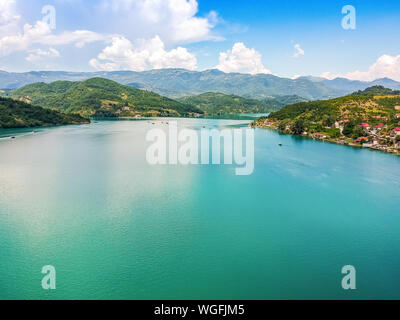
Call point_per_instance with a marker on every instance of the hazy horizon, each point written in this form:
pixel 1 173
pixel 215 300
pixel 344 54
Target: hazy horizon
pixel 193 71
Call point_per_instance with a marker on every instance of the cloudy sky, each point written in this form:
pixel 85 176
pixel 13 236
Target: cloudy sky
pixel 287 38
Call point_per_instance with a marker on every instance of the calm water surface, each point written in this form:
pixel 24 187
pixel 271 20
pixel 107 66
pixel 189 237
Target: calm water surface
pixel 84 199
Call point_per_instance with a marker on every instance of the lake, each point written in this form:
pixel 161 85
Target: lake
pixel 84 200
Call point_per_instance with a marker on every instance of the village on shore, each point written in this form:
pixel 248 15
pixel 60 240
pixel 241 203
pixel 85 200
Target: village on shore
pixel 380 137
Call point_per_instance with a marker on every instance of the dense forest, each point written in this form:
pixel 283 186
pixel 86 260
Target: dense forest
pixel 220 104
pixel 101 97
pixel 17 114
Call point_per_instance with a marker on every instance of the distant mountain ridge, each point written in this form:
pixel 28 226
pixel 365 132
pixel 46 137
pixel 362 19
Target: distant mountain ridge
pixel 344 84
pixel 177 83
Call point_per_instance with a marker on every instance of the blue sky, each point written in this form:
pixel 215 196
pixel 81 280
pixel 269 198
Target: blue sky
pixel 253 36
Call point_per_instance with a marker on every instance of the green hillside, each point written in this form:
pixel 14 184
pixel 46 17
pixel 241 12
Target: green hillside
pixel 287 100
pixel 17 114
pixel 346 116
pixel 220 104
pixel 377 91
pixel 101 97
pixel 371 105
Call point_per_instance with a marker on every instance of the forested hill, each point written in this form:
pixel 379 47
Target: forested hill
pixel 371 105
pixel 219 104
pixel 101 97
pixel 17 114
pixel 361 114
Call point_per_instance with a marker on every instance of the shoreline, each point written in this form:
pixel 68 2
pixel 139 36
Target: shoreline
pixel 329 140
pixel 48 126
pixel 16 130
pixel 234 116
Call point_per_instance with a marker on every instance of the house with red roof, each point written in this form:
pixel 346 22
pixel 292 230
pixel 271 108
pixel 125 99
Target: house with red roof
pixel 362 139
pixel 395 132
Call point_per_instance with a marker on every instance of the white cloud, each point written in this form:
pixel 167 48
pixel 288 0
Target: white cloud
pixel 22 41
pixel 385 67
pixel 41 33
pixel 39 55
pixel 175 21
pixel 146 55
pixel 9 17
pixel 242 60
pixel 299 51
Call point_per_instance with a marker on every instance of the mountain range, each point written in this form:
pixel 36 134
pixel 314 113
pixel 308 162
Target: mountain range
pixel 349 86
pixel 177 83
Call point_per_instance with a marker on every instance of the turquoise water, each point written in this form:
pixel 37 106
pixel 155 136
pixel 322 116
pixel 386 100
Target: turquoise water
pixel 84 199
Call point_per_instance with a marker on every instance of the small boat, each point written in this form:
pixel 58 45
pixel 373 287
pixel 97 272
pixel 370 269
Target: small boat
pixel 12 137
pixel 281 145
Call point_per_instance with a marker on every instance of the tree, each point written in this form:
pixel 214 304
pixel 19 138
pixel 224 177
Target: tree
pixel 283 124
pixel 357 132
pixel 329 122
pixel 334 133
pixel 348 129
pixel 298 127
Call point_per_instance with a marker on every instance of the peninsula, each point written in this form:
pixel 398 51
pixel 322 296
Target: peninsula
pixel 368 119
